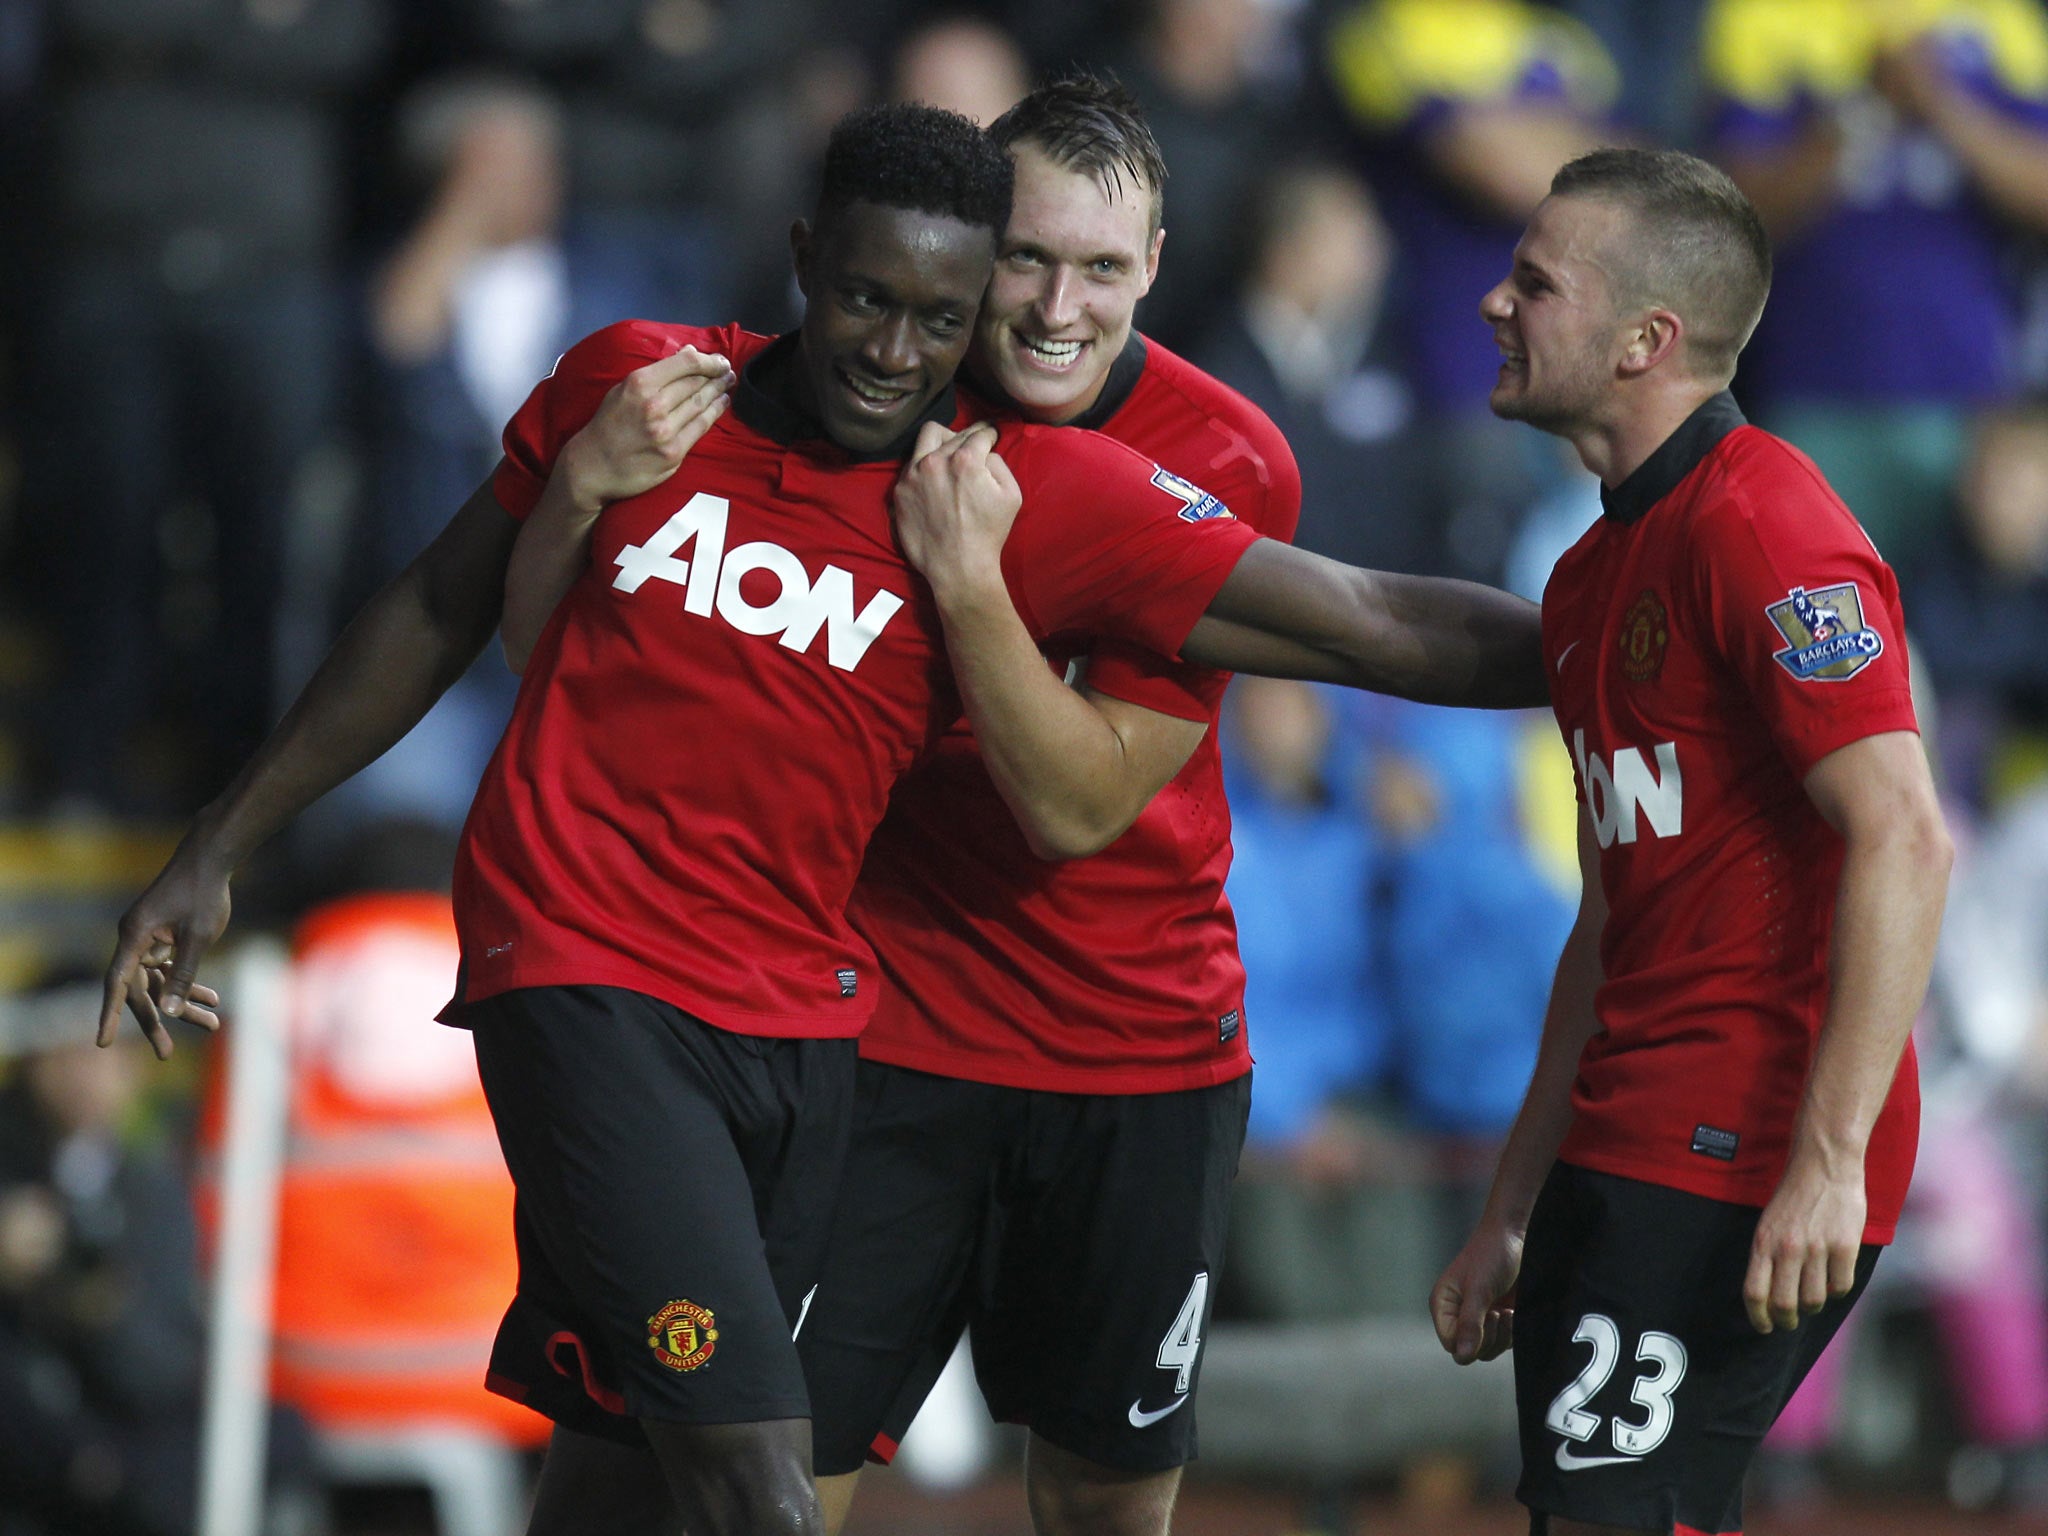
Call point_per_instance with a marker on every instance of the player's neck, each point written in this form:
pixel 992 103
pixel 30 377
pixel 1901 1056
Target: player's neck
pixel 1615 449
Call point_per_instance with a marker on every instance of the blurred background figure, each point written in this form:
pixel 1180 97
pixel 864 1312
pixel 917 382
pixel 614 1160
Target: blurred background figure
pixel 1373 840
pixel 1303 338
pixel 491 281
pixel 677 130
pixel 382 1345
pixel 1194 66
pixel 188 353
pixel 1325 1209
pixel 478 298
pixel 100 1338
pixel 1980 609
pixel 1898 155
pixel 99 1306
pixel 1970 1255
pixel 963 63
pixel 1463 878
pixel 1460 113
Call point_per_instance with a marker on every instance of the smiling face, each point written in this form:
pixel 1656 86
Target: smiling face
pixel 890 300
pixel 1077 257
pixel 1556 319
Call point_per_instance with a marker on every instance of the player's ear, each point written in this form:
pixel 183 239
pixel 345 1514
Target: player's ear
pixel 802 241
pixel 1656 337
pixel 1152 261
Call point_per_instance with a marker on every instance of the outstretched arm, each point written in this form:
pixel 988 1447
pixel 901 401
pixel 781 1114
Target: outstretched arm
pixel 397 657
pixel 1287 613
pixel 1472 1304
pixel 1878 794
pixel 1074 768
pixel 1283 612
pixel 643 428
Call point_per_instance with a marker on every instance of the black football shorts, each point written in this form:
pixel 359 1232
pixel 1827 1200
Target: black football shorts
pixel 1641 1386
pixel 1077 1237
pixel 675 1187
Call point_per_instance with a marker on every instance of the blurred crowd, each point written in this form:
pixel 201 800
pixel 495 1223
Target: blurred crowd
pixel 274 272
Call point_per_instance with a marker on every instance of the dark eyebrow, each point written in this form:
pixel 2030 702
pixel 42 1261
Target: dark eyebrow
pixel 850 277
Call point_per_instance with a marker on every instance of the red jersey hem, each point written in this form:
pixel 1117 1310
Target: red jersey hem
pixel 1707 1187
pixel 966 1066
pixel 1164 697
pixel 737 1021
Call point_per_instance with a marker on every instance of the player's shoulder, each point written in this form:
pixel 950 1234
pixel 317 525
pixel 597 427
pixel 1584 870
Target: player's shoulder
pixel 1198 426
pixel 1039 453
pixel 1758 478
pixel 1076 468
pixel 1170 379
pixel 617 349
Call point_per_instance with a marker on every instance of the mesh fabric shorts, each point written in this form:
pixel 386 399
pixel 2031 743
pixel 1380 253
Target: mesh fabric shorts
pixel 1641 1386
pixel 1075 1236
pixel 675 1187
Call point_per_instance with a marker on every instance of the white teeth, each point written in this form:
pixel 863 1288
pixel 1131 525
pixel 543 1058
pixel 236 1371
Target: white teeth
pixel 869 392
pixel 1053 351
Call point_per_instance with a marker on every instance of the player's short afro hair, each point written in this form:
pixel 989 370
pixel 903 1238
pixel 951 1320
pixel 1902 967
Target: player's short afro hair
pixel 909 155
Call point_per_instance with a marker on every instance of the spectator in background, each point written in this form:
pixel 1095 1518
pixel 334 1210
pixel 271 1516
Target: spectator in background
pixel 1894 153
pixel 1326 1206
pixel 1463 109
pixel 186 348
pixel 964 64
pixel 1385 1080
pixel 485 289
pixel 1656 48
pixel 1972 1249
pixel 1980 609
pixel 1303 341
pixel 1193 69
pixel 388 1138
pixel 1443 798
pixel 682 142
pixel 100 1343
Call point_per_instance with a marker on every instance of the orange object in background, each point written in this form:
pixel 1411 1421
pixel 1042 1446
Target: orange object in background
pixel 394 1246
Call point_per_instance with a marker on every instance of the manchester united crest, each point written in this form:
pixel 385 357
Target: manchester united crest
pixel 682 1336
pixel 1645 630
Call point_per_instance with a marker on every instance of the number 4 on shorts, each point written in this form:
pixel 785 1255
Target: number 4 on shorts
pixel 1183 1342
pixel 1567 1414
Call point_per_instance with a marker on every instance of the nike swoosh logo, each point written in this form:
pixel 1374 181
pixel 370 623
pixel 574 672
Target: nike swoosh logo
pixel 1567 1462
pixel 1564 653
pixel 1140 1419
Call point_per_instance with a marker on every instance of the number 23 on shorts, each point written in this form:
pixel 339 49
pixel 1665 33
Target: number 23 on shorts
pixel 1665 1358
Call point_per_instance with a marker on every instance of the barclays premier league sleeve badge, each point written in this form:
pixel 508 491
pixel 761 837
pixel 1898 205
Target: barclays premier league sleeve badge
pixel 1197 505
pixel 1826 640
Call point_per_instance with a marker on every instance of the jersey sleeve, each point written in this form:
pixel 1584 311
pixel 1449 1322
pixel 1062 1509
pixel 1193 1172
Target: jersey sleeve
pixel 1108 543
pixel 1141 677
pixel 1261 482
pixel 569 396
pixel 1805 612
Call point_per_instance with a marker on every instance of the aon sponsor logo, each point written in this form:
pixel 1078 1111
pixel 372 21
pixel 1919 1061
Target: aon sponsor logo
pixel 1618 796
pixel 711 577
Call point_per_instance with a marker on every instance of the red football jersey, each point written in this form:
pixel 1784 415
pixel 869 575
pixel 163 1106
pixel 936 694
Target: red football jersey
pixel 1112 974
pixel 713 717
pixel 1722 629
